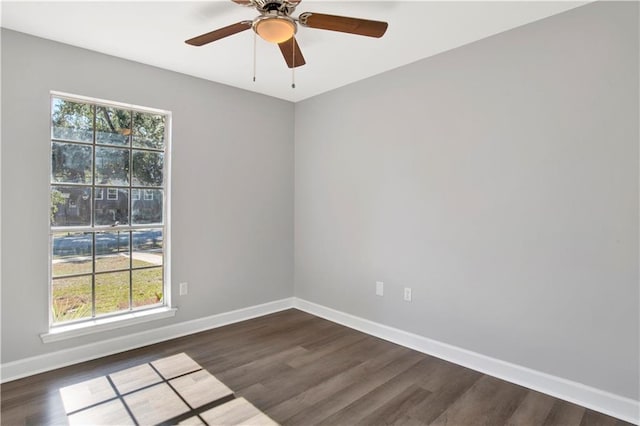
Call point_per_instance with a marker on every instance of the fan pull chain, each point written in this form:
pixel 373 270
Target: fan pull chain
pixel 254 56
pixel 293 68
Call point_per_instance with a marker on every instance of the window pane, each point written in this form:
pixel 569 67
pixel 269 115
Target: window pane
pixel 113 208
pixel 71 298
pixel 113 126
pixel 71 120
pixel 112 166
pixel 147 287
pixel 147 168
pixel 71 253
pixel 147 209
pixel 70 205
pixel 112 292
pixel 112 251
pixel 71 163
pixel 147 247
pixel 148 130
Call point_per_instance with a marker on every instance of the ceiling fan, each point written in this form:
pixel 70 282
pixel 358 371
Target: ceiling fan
pixel 276 25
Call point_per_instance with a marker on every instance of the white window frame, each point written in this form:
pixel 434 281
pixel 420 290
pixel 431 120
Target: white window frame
pixel 113 191
pixel 64 330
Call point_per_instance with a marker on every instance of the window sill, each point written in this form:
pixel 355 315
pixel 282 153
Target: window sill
pixel 103 324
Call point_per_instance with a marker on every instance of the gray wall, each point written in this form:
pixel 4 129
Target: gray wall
pixel 499 181
pixel 232 187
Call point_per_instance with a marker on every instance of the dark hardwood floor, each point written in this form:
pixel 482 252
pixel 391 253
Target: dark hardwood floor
pixel 303 370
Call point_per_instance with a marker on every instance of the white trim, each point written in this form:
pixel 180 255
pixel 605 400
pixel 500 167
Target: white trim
pixel 166 208
pixel 50 361
pixel 595 399
pixel 111 191
pixel 97 325
pixel 105 102
pixel 112 195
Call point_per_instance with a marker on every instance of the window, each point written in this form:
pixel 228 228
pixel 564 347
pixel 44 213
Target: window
pixel 107 252
pixel 112 194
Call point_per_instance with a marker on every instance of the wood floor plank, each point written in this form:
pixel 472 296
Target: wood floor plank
pixel 112 412
pixel 533 410
pixel 452 384
pixel 261 368
pixel 135 378
pixel 564 413
pixel 264 343
pixel 236 412
pixel 87 393
pixel 380 396
pixel 489 401
pixel 593 418
pixel 343 398
pixel 200 388
pixel 43 410
pixel 396 408
pixel 302 370
pixel 324 390
pixel 155 404
pixel 175 365
pixel 291 383
pixel 440 374
pixel 328 346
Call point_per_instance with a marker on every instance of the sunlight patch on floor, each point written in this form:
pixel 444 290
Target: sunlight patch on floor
pixel 171 390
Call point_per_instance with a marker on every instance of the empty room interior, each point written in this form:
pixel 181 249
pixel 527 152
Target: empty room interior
pixel 406 212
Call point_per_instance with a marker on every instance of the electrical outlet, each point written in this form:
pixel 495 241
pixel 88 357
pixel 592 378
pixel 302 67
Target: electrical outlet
pixel 407 294
pixel 184 289
pixel 379 288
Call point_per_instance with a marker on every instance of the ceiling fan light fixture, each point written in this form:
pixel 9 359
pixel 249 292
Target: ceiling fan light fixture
pixel 275 29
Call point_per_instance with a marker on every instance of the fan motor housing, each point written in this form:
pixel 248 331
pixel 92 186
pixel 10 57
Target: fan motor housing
pixel 283 6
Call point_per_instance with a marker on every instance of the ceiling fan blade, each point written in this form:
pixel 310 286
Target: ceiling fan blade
pixel 343 24
pixel 242 2
pixel 219 33
pixel 292 53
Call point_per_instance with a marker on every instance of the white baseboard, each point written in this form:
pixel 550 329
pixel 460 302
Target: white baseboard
pixel 605 402
pixel 41 363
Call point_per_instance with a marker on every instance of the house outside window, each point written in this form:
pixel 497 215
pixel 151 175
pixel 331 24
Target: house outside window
pixel 108 253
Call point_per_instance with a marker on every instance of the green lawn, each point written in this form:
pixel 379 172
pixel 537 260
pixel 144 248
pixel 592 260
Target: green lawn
pixel 72 296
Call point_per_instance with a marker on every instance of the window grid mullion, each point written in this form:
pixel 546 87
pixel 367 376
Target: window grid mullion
pixel 108 228
pixel 87 274
pixel 92 210
pixel 140 148
pixel 130 219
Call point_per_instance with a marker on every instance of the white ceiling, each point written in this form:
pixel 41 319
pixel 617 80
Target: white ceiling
pixel 153 32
